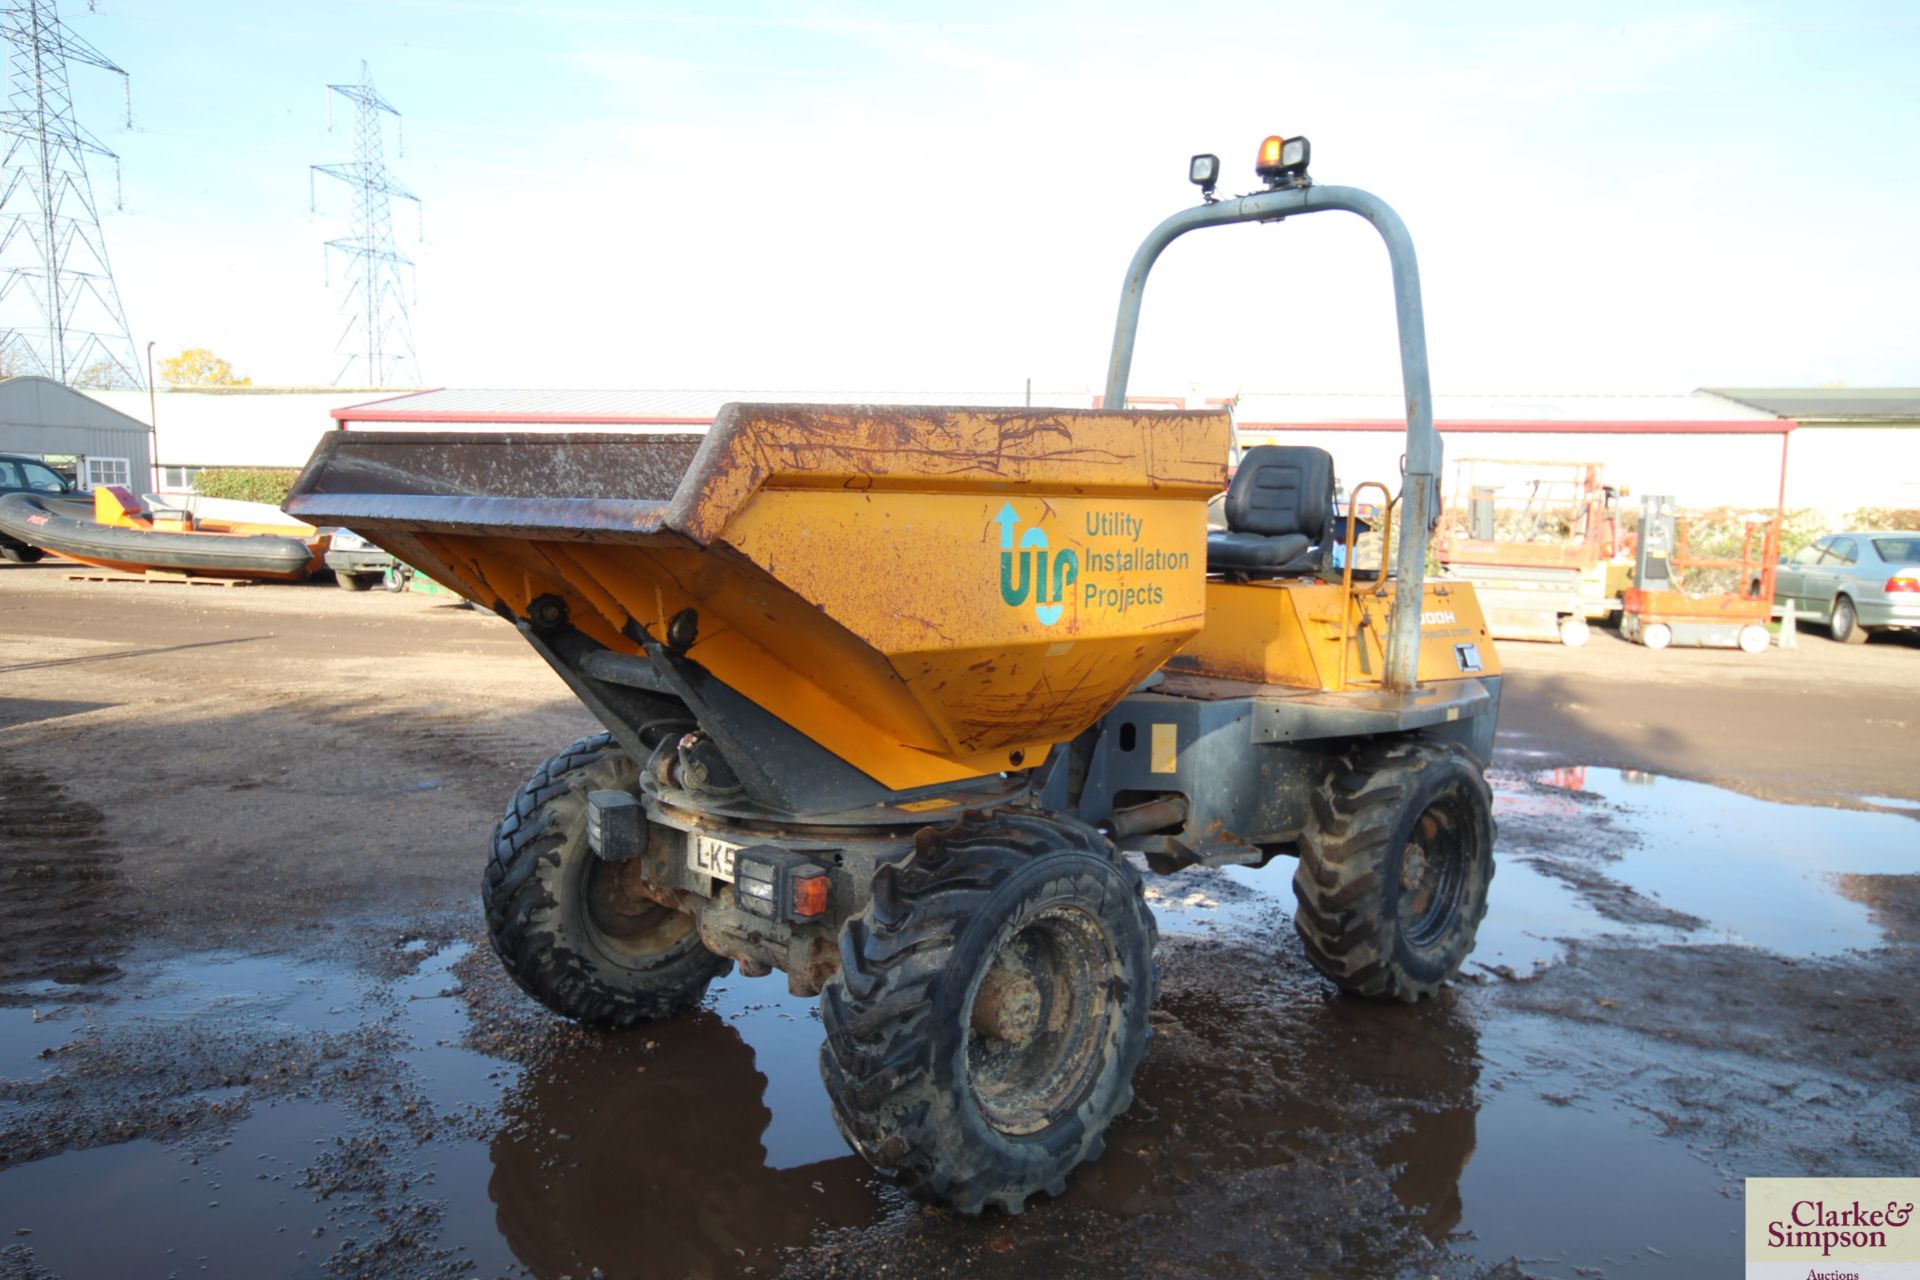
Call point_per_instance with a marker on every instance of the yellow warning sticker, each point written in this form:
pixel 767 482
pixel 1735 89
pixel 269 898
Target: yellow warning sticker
pixel 1165 756
pixel 923 806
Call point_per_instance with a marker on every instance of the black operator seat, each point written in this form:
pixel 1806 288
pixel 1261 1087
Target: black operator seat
pixel 1278 508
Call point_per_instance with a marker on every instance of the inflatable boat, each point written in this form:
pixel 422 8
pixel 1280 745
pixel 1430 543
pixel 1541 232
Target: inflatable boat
pixel 122 535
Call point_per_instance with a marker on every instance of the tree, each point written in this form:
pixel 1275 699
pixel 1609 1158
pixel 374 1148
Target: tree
pixel 104 375
pixel 199 367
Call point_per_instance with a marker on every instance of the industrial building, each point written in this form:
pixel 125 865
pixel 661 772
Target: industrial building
pixel 77 434
pixel 1707 448
pixel 1839 450
pixel 200 427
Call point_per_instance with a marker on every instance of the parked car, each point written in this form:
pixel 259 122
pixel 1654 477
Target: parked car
pixel 21 474
pixel 356 563
pixel 1857 582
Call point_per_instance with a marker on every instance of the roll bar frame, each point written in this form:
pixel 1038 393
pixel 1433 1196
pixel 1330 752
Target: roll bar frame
pixel 1420 491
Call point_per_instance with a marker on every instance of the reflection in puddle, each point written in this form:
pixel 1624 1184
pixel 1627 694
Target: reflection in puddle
pixel 1895 803
pixel 619 1150
pixel 1586 853
pixel 1753 872
pixel 1574 1188
pixel 706 1145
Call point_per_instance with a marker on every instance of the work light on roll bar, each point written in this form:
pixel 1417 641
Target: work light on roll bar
pixel 1283 161
pixel 1204 173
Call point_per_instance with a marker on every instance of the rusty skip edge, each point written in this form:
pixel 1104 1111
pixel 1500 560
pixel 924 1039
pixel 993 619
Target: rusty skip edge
pixel 492 483
pixel 600 484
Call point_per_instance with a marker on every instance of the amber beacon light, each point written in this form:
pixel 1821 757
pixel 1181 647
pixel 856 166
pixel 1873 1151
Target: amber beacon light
pixel 1283 161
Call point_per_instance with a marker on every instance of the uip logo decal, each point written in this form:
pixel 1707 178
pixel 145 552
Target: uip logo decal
pixel 1032 569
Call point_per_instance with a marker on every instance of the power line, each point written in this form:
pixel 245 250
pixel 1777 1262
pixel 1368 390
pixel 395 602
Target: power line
pixel 60 313
pixel 379 333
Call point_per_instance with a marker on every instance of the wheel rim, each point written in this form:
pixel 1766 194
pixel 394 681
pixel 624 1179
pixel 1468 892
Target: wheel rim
pixel 1039 1021
pixel 1843 619
pixel 624 923
pixel 1433 873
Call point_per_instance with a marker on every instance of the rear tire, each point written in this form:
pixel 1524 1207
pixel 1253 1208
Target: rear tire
pixel 353 581
pixel 1394 868
pixel 990 1009
pixel 1656 635
pixel 1845 626
pixel 1574 632
pixel 22 554
pixel 1755 639
pixel 570 931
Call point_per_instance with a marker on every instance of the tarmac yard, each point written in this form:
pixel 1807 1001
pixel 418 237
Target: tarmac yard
pixel 250 1026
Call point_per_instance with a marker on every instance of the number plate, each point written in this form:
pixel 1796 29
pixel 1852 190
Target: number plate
pixel 711 857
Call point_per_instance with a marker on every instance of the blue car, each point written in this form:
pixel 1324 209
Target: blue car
pixel 1857 582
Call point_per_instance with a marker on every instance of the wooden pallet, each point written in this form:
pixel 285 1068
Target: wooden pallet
pixel 160 576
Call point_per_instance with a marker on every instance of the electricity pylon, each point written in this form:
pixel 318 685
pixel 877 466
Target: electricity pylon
pixel 379 335
pixel 60 313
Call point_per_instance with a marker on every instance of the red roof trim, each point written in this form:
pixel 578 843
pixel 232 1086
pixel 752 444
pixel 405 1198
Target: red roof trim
pixel 1772 427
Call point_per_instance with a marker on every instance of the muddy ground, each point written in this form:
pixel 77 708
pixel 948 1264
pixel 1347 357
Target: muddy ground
pixel 248 1026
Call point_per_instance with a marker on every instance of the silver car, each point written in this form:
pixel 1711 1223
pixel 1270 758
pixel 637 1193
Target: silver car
pixel 1857 583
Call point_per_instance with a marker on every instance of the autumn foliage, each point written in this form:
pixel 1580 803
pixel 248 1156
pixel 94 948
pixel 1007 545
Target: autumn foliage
pixel 199 367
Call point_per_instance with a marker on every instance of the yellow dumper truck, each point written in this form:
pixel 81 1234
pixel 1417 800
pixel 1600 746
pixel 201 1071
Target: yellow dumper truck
pixel 898 699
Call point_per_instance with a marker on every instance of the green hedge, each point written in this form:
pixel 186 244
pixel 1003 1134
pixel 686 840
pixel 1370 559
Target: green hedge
pixel 1886 518
pixel 248 484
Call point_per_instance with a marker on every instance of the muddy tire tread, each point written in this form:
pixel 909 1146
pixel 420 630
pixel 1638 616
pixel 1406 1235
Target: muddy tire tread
pixel 520 896
pixel 877 1059
pixel 1341 909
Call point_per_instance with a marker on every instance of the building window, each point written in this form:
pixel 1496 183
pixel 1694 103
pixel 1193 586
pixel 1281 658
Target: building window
pixel 108 471
pixel 178 479
pixel 67 464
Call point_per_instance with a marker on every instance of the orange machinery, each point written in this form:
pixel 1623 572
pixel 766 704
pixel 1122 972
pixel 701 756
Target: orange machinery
pixel 1670 601
pixel 1540 542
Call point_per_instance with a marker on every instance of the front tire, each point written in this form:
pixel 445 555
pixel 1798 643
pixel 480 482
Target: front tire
pixel 22 554
pixel 354 581
pixel 569 926
pixel 1394 868
pixel 1845 626
pixel 990 1009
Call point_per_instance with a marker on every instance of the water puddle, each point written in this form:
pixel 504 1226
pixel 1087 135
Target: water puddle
pixel 703 1144
pixel 1895 803
pixel 1587 853
pixel 433 1020
pixel 1576 1190
pixel 30 1030
pixel 1738 869
pixel 313 1097
pixel 150 1209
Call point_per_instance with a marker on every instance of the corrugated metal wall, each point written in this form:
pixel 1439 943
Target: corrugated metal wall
pixel 40 417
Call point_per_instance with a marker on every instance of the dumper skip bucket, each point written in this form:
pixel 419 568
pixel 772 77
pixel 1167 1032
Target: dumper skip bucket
pixel 930 595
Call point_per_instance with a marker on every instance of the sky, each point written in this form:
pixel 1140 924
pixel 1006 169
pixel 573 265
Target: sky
pixel 1605 198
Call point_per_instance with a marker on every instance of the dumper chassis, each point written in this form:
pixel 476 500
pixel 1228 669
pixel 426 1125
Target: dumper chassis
pixel 901 701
